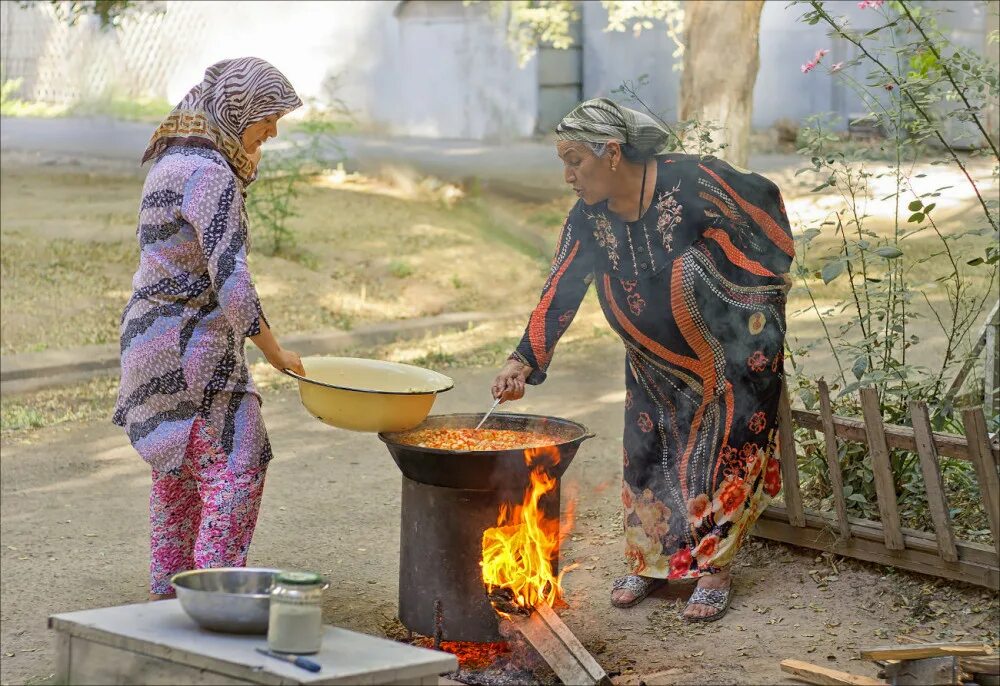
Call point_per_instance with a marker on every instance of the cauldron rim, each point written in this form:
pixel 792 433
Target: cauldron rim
pixel 585 433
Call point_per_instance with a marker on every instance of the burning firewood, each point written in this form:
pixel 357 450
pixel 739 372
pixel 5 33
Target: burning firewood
pixel 559 647
pixel 522 584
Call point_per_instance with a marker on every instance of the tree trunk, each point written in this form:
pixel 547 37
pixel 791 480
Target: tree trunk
pixel 721 40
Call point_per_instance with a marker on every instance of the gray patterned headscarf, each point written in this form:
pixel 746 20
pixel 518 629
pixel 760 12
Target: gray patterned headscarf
pixel 601 120
pixel 233 95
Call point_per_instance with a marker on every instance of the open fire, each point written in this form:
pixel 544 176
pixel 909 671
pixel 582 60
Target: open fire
pixel 520 553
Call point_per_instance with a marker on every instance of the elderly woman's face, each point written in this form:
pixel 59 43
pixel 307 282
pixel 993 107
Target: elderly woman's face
pixel 258 132
pixel 588 174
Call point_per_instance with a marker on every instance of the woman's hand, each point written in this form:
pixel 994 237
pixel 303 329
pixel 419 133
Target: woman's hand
pixel 509 383
pixel 286 359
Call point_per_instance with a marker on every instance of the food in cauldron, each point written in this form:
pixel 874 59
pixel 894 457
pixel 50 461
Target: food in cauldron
pixel 475 439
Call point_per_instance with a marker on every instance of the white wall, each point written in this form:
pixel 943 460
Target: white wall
pixel 421 68
pixel 609 58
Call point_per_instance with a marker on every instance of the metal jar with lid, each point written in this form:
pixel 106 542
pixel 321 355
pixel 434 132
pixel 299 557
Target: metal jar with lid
pixel 295 620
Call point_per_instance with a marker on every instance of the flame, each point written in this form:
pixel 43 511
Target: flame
pixel 518 553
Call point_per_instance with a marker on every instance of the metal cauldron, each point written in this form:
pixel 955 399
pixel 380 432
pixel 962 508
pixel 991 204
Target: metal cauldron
pixel 486 470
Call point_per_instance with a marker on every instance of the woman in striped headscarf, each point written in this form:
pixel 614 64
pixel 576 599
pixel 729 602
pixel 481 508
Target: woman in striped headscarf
pixel 187 400
pixel 688 254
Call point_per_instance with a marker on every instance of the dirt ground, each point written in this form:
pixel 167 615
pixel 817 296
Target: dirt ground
pixel 75 529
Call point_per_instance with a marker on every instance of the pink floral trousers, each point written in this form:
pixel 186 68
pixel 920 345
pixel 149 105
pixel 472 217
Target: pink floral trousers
pixel 203 513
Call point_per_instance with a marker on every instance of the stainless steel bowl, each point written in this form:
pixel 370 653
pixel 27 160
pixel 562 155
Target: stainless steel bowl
pixel 233 600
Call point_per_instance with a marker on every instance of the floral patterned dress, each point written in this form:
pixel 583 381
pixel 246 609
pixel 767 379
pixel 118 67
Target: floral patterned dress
pixel 695 290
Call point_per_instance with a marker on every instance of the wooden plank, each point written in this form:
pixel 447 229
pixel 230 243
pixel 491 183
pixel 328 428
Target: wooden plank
pixel 974 664
pixel 991 367
pixel 989 481
pixel 789 462
pixel 934 671
pixel 986 471
pixel 559 647
pixel 933 483
pixel 986 664
pixel 897 437
pixel 977 553
pixel 885 486
pixel 833 460
pixel 819 534
pixel 824 676
pixel 919 651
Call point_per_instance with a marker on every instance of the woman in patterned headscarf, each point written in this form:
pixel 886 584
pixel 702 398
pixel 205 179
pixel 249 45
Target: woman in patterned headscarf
pixel 688 255
pixel 187 400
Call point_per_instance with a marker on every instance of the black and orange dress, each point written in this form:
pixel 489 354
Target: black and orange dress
pixel 695 290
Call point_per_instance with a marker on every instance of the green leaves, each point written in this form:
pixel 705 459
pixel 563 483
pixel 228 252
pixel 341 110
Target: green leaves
pixel 860 367
pixel 889 252
pixel 831 270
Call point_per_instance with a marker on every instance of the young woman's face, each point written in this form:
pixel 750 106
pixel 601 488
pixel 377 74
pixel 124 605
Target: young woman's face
pixel 589 175
pixel 258 132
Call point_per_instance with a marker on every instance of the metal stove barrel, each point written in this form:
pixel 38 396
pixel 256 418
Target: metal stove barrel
pixel 441 591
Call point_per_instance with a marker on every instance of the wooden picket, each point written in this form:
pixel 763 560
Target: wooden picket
pixel 886 541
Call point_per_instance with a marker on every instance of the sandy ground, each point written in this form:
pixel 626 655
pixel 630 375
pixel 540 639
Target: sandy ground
pixel 74 536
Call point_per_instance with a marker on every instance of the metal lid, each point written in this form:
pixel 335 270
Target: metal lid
pixel 299 578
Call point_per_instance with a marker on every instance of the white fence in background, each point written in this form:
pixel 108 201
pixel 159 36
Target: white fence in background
pixel 62 64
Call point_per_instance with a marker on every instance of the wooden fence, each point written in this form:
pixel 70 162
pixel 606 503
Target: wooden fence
pixel 886 541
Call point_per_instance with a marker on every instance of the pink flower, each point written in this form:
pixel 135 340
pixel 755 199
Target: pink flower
pixel 870 4
pixel 836 67
pixel 814 62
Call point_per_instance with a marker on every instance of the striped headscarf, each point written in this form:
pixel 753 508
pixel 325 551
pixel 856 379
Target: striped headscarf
pixel 601 120
pixel 233 95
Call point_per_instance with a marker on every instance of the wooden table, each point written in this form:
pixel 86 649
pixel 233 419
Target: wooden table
pixel 157 643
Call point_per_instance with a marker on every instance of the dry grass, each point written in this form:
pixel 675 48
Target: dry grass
pixel 367 250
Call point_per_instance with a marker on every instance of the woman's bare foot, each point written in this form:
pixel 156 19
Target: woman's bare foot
pixel 161 596
pixel 721 580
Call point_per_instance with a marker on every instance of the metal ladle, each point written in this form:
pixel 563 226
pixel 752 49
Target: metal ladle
pixel 487 415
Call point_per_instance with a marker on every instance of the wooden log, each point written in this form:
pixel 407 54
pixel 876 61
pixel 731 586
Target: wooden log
pixel 989 482
pixel 974 664
pixel 789 461
pixel 933 483
pixel 824 676
pixel 984 664
pixel 977 563
pixel 935 671
pixel 924 650
pixel 833 460
pixel 897 437
pixel 559 647
pixel 885 486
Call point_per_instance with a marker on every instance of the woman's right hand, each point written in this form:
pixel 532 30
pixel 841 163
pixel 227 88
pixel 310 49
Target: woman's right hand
pixel 509 383
pixel 282 359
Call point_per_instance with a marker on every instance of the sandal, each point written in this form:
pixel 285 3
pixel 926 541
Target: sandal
pixel 639 586
pixel 713 597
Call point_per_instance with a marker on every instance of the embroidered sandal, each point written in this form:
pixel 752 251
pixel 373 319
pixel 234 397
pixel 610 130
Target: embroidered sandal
pixel 718 598
pixel 639 586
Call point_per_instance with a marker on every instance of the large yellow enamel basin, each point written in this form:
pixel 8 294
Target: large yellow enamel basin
pixel 368 395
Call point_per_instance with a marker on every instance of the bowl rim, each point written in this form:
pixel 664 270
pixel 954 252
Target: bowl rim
pixel 587 434
pixel 450 382
pixel 195 572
